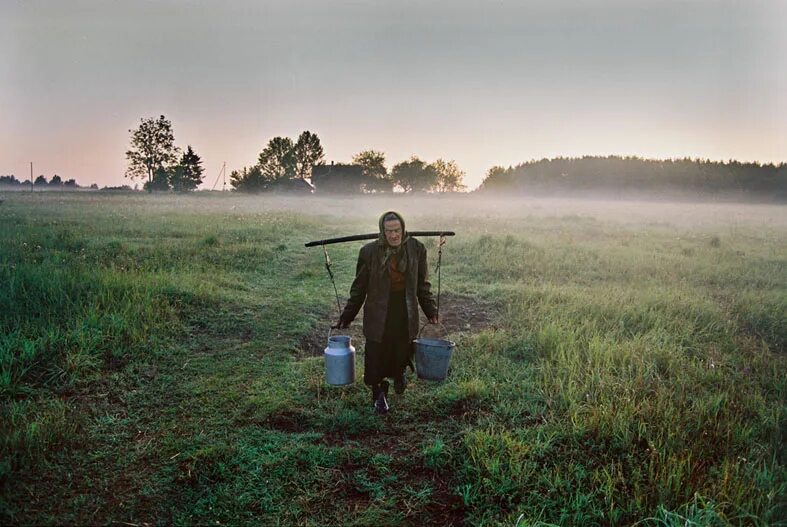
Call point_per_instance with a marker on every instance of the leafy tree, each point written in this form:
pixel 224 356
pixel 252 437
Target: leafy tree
pixel 56 181
pixel 449 176
pixel 152 147
pixel 70 183
pixel 414 175
pixel 187 174
pixel 277 160
pixel 249 179
pixel 373 163
pixel 40 181
pixel 307 153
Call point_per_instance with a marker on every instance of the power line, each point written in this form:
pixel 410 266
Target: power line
pixel 222 172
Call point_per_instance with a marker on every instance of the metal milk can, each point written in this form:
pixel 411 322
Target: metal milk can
pixel 339 361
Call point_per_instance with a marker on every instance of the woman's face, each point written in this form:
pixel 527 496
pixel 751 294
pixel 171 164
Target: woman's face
pixel 393 232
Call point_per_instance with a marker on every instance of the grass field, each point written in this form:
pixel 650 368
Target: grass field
pixel 629 366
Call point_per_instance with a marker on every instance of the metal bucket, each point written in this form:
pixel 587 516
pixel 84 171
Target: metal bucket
pixel 339 361
pixel 432 358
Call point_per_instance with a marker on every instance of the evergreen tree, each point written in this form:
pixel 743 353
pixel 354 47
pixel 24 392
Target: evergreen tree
pixel 187 174
pixel 249 180
pixel 160 181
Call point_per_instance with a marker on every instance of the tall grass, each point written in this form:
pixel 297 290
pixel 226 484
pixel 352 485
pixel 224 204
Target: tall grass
pixel 150 370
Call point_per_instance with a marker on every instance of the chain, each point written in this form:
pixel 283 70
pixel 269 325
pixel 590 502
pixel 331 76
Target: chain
pixel 330 273
pixel 439 265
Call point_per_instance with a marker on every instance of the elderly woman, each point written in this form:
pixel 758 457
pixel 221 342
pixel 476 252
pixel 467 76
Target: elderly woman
pixel 392 278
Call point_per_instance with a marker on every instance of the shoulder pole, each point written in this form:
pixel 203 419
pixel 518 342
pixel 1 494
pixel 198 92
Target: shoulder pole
pixel 356 237
pixel 374 236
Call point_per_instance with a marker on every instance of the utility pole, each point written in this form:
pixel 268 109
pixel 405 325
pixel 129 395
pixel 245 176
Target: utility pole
pixel 223 176
pixel 31 176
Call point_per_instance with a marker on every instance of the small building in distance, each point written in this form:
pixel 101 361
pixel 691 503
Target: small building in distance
pixel 339 178
pixel 294 185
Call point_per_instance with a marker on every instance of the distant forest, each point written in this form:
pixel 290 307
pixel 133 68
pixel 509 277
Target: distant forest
pixel 628 176
pixel 41 183
pixel 588 176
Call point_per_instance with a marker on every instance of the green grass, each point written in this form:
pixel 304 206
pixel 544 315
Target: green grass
pixel 150 369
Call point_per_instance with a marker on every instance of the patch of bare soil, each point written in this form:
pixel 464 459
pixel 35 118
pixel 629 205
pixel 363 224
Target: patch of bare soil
pixel 464 314
pixel 401 442
pixel 290 422
pixel 444 508
pixel 458 314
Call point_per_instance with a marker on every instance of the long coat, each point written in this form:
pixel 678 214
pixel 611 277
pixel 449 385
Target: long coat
pixel 372 285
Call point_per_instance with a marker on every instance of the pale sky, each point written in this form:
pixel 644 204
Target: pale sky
pixel 483 83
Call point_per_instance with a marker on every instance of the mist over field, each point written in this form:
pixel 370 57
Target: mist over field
pixel 430 207
pixel 616 362
pixel 615 291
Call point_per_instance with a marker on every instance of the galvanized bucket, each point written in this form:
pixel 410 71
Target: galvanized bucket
pixel 432 357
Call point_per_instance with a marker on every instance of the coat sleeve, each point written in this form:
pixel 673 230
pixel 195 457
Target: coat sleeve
pixel 357 289
pixel 424 292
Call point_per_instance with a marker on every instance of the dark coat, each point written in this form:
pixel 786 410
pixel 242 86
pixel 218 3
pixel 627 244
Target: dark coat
pixel 372 285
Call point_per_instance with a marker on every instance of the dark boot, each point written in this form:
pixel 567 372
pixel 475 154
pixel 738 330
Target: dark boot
pixel 381 387
pixel 379 392
pixel 400 383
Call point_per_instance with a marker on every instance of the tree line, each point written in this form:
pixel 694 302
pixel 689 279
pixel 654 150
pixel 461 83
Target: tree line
pixel 283 161
pixel 287 164
pixel 42 182
pixel 634 175
pixel 283 164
